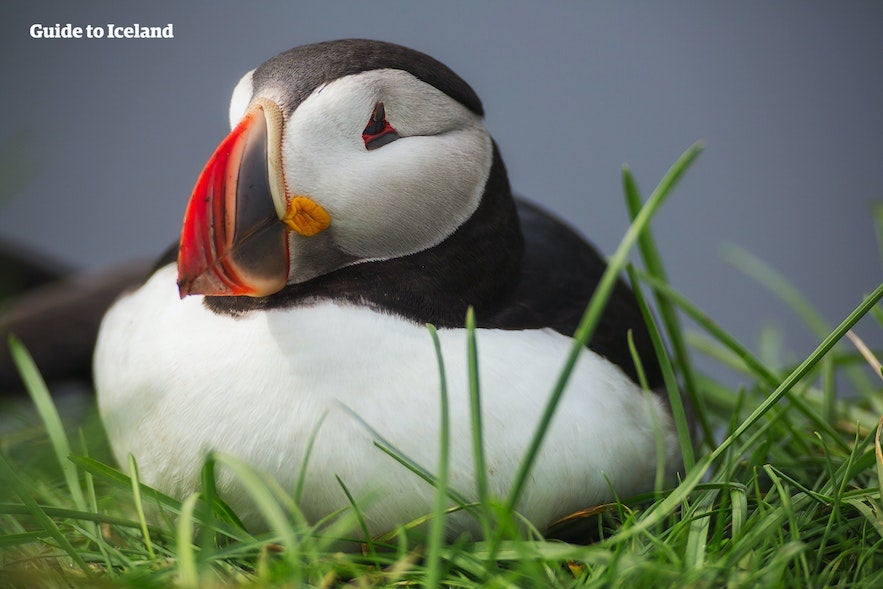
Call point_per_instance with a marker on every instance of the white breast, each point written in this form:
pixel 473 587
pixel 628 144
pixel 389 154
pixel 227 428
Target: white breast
pixel 175 380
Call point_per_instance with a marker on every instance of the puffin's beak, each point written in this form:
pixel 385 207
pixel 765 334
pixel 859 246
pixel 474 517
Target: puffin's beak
pixel 235 235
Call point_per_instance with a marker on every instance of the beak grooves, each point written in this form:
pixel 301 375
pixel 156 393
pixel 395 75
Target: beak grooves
pixel 232 242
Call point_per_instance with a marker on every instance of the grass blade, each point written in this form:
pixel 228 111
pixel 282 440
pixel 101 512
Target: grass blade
pixel 188 573
pixel 302 473
pixel 776 283
pixel 93 507
pixel 7 474
pixel 878 462
pixel 679 415
pixel 437 529
pixel 593 313
pixel 359 516
pixel 139 506
pixel 754 365
pixel 39 393
pixel 263 498
pixel 801 370
pixel 412 465
pixel 477 426
pixel 655 267
pixel 697 538
pixel 668 505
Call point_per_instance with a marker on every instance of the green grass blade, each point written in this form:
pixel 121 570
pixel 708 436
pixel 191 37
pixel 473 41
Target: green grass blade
pixel 655 267
pixel 212 499
pixel 39 393
pixel 437 529
pixel 122 480
pixel 423 474
pixel 263 499
pixel 593 313
pixel 754 365
pixel 139 505
pixel 801 370
pixel 62 513
pixel 636 360
pixel 878 463
pixel 412 465
pixel 679 415
pixel 7 474
pixel 776 283
pixel 738 511
pixel 302 473
pixel 697 537
pixel 667 506
pixel 369 541
pixel 93 507
pixel 9 540
pixel 477 426
pixel 188 572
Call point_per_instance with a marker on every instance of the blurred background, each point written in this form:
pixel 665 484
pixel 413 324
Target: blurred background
pixel 102 140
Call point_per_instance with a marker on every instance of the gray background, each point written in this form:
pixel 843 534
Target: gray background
pixel 788 98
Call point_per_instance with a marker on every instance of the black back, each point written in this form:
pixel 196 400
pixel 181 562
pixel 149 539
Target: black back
pixel 559 275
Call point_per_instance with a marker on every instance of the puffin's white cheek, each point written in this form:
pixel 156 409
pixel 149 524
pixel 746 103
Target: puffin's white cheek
pixel 411 194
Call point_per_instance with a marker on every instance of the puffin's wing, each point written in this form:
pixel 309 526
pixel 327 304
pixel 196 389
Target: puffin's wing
pixel 561 271
pixel 56 314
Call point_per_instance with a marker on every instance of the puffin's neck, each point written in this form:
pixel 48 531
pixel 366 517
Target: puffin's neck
pixel 478 265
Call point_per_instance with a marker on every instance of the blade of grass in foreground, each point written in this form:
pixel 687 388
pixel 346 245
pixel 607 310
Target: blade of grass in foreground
pixel 755 366
pixel 261 494
pixel 655 267
pixel 437 530
pixel 188 572
pixel 139 506
pixel 776 283
pixel 360 517
pixel 671 385
pixel 93 507
pixel 802 369
pixel 593 313
pixel 7 473
pixel 477 427
pixel 396 454
pixel 39 393
pixel 878 463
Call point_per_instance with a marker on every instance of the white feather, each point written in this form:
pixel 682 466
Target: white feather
pixel 175 380
pixel 240 99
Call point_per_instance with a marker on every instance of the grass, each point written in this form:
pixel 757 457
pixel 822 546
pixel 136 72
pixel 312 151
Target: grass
pixel 783 487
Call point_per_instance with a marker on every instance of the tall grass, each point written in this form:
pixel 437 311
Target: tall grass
pixel 782 489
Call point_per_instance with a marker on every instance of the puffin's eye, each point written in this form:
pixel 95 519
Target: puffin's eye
pixel 378 132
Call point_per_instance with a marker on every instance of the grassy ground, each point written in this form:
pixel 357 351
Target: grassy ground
pixel 783 487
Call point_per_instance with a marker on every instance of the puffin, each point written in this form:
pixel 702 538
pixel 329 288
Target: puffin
pixel 357 199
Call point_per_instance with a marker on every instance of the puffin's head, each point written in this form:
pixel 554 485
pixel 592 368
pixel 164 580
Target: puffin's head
pixel 340 153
